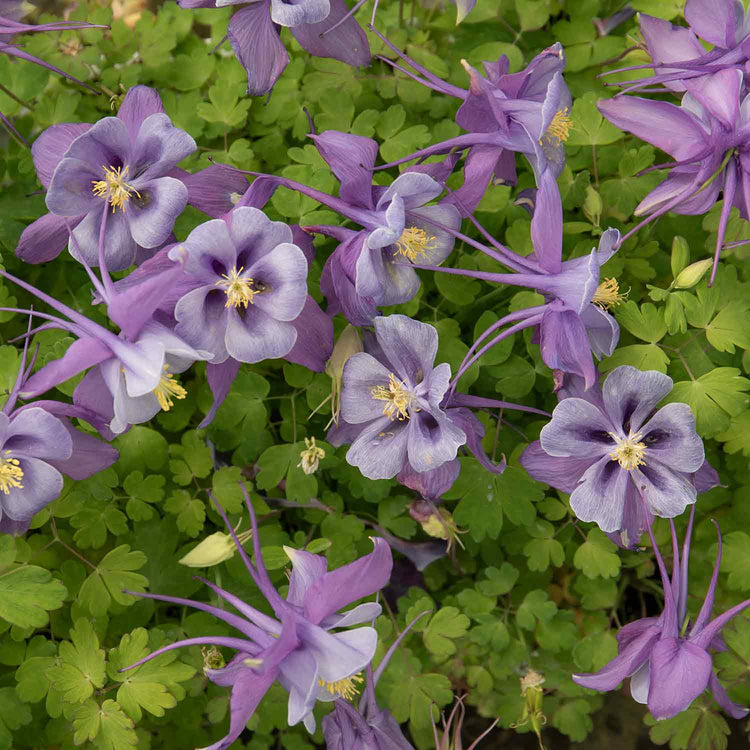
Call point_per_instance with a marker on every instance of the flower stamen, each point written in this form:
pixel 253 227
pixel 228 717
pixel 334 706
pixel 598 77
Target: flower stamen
pixel 397 398
pixel 346 688
pixel 114 188
pixel 629 452
pixel 608 294
pixel 239 289
pixel 168 389
pixel 310 457
pixel 11 474
pixel 414 243
pixel 559 128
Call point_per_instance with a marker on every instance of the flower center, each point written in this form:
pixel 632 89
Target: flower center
pixel 114 188
pixel 414 243
pixel 608 294
pixel 346 688
pixel 168 389
pixel 11 474
pixel 397 398
pixel 559 128
pixel 630 451
pixel 239 290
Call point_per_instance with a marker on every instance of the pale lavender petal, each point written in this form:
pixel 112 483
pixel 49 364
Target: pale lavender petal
pixel 50 147
pixel 41 485
pixel 35 432
pixel 442 241
pixel 151 215
pixel 362 373
pixel 602 330
pixel 44 239
pixel 307 568
pixel 414 188
pixel 366 612
pixel 380 450
pixel 433 440
pixel 105 144
pixel 253 336
pixel 70 192
pixel 139 103
pixel 670 438
pixel 206 245
pixel 409 345
pixel 601 495
pixel 255 235
pixel 578 429
pixel 338 655
pixel 720 695
pixel 283 273
pixel 120 247
pixel 639 684
pixel 667 492
pixel 630 395
pixel 713 21
pixel 562 473
pixel 158 147
pixel 294 14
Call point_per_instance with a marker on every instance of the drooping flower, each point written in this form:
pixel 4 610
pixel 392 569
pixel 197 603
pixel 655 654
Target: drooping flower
pixel 249 282
pixel 299 648
pixel 123 163
pixel 574 322
pixel 325 28
pixel 374 267
pixel 708 135
pixel 607 447
pixel 506 113
pixel 667 657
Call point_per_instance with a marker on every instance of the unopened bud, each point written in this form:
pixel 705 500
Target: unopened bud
pixel 437 522
pixel 691 275
pixel 310 457
pixel 680 255
pixel 348 345
pixel 213 550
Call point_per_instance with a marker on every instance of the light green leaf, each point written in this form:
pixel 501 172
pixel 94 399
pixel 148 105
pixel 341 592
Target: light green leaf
pixel 444 627
pixel 589 127
pixel 80 668
pixel 597 556
pixel 113 574
pixel 107 724
pixel 27 593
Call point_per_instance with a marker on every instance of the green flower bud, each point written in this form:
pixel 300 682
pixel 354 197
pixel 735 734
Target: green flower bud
pixel 213 550
pixel 691 275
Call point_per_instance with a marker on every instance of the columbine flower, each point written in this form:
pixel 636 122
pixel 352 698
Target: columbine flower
pixel 120 165
pixel 709 137
pixel 299 649
pixel 667 657
pixel 606 448
pixel 310 457
pixel 249 283
pixel 393 403
pixel 574 322
pixel 374 267
pixel 325 28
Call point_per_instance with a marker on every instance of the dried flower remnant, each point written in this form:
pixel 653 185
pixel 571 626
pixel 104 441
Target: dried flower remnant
pixel 310 457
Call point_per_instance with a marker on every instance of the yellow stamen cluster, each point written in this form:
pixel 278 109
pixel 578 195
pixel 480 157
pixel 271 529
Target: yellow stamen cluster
pixel 11 474
pixel 559 128
pixel 239 290
pixel 310 457
pixel 608 294
pixel 346 688
pixel 168 389
pixel 114 188
pixel 397 398
pixel 414 243
pixel 212 658
pixel 629 452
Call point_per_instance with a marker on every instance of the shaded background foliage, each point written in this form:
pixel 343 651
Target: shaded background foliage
pixel 533 587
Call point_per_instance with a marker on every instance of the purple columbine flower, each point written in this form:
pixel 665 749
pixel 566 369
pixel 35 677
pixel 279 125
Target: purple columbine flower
pixel 325 28
pixel 11 11
pixel 37 443
pixel 506 113
pixel 299 648
pixel 607 446
pixel 249 283
pixel 708 135
pixel 121 162
pixel 393 402
pixel 667 657
pixel 374 267
pixel 573 323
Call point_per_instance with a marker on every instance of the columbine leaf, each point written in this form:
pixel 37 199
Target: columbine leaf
pixel 107 723
pixel 26 595
pixel 13 714
pixel 444 627
pixel 80 666
pixel 113 574
pixel 697 728
pixel 597 557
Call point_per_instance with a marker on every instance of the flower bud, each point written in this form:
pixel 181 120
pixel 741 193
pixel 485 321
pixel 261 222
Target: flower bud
pixel 310 457
pixel 680 255
pixel 437 522
pixel 347 345
pixel 691 275
pixel 213 550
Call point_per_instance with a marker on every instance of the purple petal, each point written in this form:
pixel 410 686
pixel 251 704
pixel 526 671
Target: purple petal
pixel 206 246
pixel 351 158
pixel 215 189
pixel 546 224
pixel 294 14
pixel 578 429
pixel 347 42
pixel 442 241
pixel 255 235
pixel 105 143
pixel 139 103
pixel 409 345
pixel 661 124
pixel 560 472
pixel 433 440
pixel 362 372
pixel 283 272
pixel 430 484
pixel 705 478
pixel 733 709
pixel 669 43
pixel 630 395
pixel 314 344
pixel 667 492
pixel 679 673
pixel 151 216
pixel 474 432
pixel 602 330
pixel 81 354
pixel 44 239
pixel 50 147
pixel 256 43
pixel 338 655
pixel 601 495
pixel 90 455
pixel 719 94
pixel 327 593
pixel 414 188
pixel 478 168
pixel 627 661
pixel 633 630
pixel 202 320
pixel 220 378
pixel 307 568
pixel 42 484
pixel 564 343
pixel 714 21
pixel 119 246
pixel 682 181
pixel 35 432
